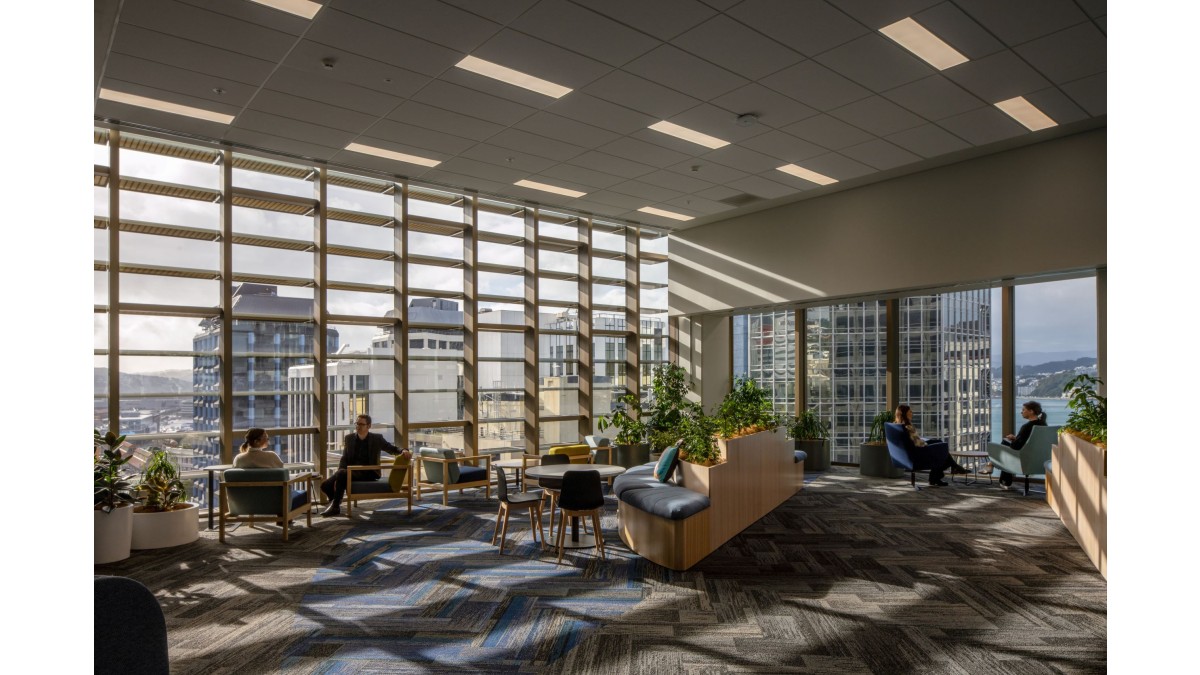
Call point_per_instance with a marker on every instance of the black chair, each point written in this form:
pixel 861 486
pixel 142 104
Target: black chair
pixel 552 486
pixel 581 496
pixel 129 631
pixel 909 457
pixel 527 500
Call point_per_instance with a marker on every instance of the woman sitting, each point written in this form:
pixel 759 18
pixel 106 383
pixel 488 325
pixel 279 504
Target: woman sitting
pixel 1032 412
pixel 254 453
pixel 903 416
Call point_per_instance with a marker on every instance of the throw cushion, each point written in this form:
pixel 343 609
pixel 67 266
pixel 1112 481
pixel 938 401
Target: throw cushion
pixel 433 470
pixel 666 464
pixel 398 474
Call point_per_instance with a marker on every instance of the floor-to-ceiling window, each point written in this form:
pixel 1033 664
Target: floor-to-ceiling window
pixel 846 361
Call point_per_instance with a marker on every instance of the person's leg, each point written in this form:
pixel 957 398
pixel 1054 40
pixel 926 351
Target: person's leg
pixel 1006 478
pixel 936 475
pixel 335 493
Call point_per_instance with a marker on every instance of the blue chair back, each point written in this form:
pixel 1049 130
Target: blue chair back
pixel 258 500
pixel 898 444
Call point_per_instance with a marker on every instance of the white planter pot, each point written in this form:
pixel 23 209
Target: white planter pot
pixel 112 533
pixel 166 528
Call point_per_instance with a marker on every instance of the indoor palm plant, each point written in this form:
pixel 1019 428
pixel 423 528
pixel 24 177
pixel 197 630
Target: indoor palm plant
pixel 873 456
pixel 667 406
pixel 630 441
pixel 112 516
pixel 811 434
pixel 164 518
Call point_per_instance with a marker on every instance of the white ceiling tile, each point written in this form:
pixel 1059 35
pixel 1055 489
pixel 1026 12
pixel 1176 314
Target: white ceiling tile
pixel 447 121
pixel 735 47
pixel 742 159
pixel 815 85
pixel 1017 21
pixel 784 146
pixel 833 165
pixel 693 205
pixel 566 130
pixel 591 34
pixel 642 152
pixel 646 191
pixel 491 108
pixel 998 77
pixel 719 192
pixel 355 69
pixel 157 75
pixel 827 132
pixel 600 113
pixel 717 122
pixel 670 142
pixel 880 154
pixel 674 68
pixel 1056 105
pixel 875 62
pixel 773 109
pixel 1094 8
pixel 469 167
pixel 397 146
pixel 398 132
pixel 763 187
pixel 308 110
pixel 536 145
pixel 111 110
pixel 434 21
pixel 875 14
pixel 1091 93
pixel 639 94
pixel 355 35
pixel 532 56
pixel 607 163
pixel 594 180
pixel 664 19
pixel 589 206
pixel 1068 55
pixel 675 181
pixel 958 30
pixel 500 12
pixel 318 86
pixel 286 127
pixel 983 126
pixel 617 199
pixel 928 140
pixel 492 154
pixel 206 27
pixel 720 5
pixel 809 27
pixel 877 115
pixel 386 166
pixel 934 98
pixel 188 55
pixel 706 170
pixel 254 12
pixel 290 146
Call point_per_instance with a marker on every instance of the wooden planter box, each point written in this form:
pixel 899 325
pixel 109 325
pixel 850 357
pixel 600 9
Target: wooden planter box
pixel 1080 495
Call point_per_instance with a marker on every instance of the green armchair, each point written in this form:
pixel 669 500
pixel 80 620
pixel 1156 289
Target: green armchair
pixel 1030 459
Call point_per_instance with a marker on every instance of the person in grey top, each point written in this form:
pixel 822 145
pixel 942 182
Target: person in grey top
pixel 254 453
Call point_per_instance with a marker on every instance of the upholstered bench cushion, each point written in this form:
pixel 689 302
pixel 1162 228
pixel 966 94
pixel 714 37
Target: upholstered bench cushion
pixel 366 487
pixel 800 456
pixel 471 474
pixel 635 481
pixel 666 501
pixel 299 498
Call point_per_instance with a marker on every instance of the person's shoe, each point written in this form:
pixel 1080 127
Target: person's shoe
pixel 986 469
pixel 940 483
pixel 332 510
pixel 958 470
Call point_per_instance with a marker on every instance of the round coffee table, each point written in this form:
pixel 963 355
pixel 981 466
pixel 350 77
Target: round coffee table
pixel 970 460
pixel 577 540
pixel 515 464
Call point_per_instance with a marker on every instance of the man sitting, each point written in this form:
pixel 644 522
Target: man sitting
pixel 361 448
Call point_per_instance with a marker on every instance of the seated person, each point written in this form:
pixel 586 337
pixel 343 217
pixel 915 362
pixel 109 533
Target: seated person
pixel 903 416
pixel 254 453
pixel 1032 412
pixel 360 448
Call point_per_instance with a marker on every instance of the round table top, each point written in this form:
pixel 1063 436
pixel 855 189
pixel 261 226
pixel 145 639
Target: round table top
pixel 968 453
pixel 509 463
pixel 557 470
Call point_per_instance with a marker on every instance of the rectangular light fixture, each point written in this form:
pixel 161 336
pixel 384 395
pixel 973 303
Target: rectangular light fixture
pixel 806 174
pixel 665 214
pixel 302 8
pixel 1026 113
pixel 391 154
pixel 533 185
pixel 513 77
pixel 917 39
pixel 689 135
pixel 164 106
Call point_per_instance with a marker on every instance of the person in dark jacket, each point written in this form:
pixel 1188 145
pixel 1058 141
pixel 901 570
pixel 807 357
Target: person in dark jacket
pixel 903 416
pixel 361 448
pixel 1032 412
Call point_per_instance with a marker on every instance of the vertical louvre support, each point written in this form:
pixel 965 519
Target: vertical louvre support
pixel 320 392
pixel 114 281
pixel 470 329
pixel 226 365
pixel 800 321
pixel 633 321
pixel 532 442
pixel 400 321
pixel 893 352
pixel 1008 360
pixel 583 337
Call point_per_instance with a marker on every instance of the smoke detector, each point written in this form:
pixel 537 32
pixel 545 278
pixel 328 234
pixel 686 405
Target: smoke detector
pixel 747 120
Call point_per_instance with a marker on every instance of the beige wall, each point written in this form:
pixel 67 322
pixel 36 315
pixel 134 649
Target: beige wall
pixel 716 359
pixel 1031 210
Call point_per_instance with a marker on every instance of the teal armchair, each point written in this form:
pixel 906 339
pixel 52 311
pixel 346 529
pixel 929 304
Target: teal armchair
pixel 1030 459
pixel 264 495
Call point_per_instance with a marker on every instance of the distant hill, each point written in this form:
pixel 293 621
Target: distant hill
pixel 1034 358
pixel 1051 386
pixel 1051 367
pixel 147 383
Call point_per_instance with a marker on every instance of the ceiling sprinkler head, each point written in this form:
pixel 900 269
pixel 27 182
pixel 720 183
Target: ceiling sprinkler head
pixel 747 120
pixel 328 63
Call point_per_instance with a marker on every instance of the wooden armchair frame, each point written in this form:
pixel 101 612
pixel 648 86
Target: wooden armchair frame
pixel 406 493
pixel 445 488
pixel 289 514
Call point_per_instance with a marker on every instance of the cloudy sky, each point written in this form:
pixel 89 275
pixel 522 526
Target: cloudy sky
pixel 1055 316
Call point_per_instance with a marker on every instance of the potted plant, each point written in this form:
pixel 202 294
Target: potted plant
pixel 629 443
pixel 1089 410
pixel 811 435
pixel 745 410
pixel 873 456
pixel 163 519
pixel 112 517
pixel 667 405
pixel 698 440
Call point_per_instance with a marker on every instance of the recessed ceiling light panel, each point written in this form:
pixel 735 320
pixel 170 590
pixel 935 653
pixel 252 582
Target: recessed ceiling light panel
pixel 806 174
pixel 917 39
pixel 513 77
pixel 689 135
pixel 1026 113
pixel 164 106
pixel 392 154
pixel 533 185
pixel 665 214
pixel 302 8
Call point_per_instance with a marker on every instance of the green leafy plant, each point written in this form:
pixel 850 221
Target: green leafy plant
pixel 747 409
pixel 875 436
pixel 1089 410
pixel 697 438
pixel 161 485
pixel 808 426
pixel 112 485
pixel 667 406
pixel 627 418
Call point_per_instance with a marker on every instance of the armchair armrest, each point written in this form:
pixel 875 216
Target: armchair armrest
pixel 1005 457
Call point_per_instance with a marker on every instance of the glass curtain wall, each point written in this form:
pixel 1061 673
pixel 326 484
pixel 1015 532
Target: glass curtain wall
pixel 847 371
pixel 233 291
pixel 765 351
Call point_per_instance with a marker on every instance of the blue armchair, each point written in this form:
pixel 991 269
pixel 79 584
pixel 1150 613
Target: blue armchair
pixel 1030 459
pixel 909 457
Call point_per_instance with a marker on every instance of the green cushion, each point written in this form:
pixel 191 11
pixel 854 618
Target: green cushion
pixel 666 464
pixel 398 474
pixel 433 470
pixel 254 501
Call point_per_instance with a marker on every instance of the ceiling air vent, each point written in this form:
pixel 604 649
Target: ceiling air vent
pixel 741 200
